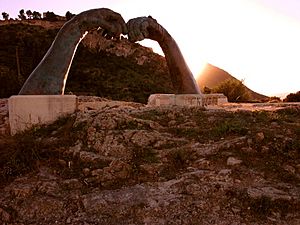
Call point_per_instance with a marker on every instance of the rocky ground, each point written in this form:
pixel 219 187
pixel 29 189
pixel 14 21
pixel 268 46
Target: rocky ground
pixel 124 163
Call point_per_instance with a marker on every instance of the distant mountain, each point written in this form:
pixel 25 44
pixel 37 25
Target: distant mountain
pixel 212 76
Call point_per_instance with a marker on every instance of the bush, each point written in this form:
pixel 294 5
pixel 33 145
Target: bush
pixel 50 16
pixel 234 90
pixel 274 99
pixel 293 97
pixel 207 90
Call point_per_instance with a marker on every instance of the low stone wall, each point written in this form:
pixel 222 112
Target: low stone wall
pixel 28 110
pixel 202 100
pixel 214 99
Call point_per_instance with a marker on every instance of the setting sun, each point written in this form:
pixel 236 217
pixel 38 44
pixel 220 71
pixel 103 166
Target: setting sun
pixel 196 63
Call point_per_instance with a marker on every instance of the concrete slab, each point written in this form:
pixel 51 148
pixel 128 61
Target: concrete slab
pixel 28 110
pixel 189 100
pixel 214 99
pixel 186 99
pixel 161 100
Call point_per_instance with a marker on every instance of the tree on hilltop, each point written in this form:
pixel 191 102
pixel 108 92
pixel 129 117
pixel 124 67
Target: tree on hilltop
pixel 5 15
pixel 293 97
pixel 50 16
pixel 69 15
pixel 22 14
pixel 29 14
pixel 36 15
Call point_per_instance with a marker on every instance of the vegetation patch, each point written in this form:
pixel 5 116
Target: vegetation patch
pixel 132 125
pixel 143 155
pixel 178 159
pixel 20 153
pixel 262 207
pixel 234 90
pixel 293 97
pixel 230 126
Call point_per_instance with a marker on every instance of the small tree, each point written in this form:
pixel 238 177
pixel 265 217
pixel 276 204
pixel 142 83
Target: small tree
pixel 50 16
pixel 29 14
pixel 274 99
pixel 207 90
pixel 36 15
pixel 69 15
pixel 5 15
pixel 234 90
pixel 22 14
pixel 293 97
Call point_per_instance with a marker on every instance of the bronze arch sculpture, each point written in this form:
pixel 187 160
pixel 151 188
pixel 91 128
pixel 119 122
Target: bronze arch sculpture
pixel 50 76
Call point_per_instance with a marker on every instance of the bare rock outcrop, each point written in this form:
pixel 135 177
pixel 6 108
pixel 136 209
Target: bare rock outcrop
pixel 96 42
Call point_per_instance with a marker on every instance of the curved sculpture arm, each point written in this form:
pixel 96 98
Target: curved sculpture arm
pixel 182 77
pixel 49 77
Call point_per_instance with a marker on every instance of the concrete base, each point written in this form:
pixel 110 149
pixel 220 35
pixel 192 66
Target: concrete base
pixel 186 99
pixel 214 99
pixel 28 110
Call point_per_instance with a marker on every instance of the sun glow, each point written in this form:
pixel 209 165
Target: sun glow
pixel 194 62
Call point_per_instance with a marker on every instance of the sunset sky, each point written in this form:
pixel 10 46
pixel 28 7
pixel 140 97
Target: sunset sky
pixel 255 40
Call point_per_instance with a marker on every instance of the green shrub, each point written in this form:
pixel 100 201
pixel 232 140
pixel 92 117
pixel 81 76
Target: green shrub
pixel 234 90
pixel 293 97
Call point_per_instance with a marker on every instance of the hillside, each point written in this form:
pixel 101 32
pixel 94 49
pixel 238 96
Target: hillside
pixel 124 163
pixel 117 70
pixel 212 76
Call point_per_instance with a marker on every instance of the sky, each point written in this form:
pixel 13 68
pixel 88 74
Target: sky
pixel 257 41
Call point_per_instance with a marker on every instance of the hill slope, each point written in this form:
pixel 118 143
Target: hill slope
pixel 211 76
pixel 118 70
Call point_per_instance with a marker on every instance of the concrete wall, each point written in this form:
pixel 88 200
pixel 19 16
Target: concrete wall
pixel 214 99
pixel 28 110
